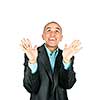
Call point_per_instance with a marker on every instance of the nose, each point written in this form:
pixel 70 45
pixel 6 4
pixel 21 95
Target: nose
pixel 52 33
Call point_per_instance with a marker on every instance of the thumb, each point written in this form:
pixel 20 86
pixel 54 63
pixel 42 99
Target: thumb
pixel 65 46
pixel 23 49
pixel 35 47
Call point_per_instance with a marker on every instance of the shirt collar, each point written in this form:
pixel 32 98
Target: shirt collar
pixel 50 53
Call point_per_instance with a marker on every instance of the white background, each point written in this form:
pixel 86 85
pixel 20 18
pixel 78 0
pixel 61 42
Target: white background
pixel 80 19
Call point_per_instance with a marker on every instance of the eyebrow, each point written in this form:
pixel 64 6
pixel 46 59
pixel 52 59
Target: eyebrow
pixel 48 27
pixel 56 28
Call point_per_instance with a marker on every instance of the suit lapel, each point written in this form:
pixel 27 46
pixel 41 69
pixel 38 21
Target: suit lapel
pixel 43 57
pixel 58 61
pixel 57 68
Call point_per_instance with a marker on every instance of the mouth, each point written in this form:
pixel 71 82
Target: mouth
pixel 52 39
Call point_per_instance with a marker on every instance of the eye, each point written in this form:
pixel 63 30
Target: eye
pixel 57 31
pixel 48 30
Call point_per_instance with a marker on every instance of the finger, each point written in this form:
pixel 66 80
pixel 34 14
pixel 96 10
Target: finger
pixel 24 43
pixel 24 40
pixel 65 46
pixel 75 44
pixel 35 47
pixel 78 42
pixel 72 44
pixel 77 49
pixel 23 49
pixel 29 44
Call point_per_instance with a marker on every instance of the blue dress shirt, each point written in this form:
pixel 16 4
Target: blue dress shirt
pixel 52 58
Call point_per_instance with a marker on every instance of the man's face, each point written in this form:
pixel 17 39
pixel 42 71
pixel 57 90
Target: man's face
pixel 52 34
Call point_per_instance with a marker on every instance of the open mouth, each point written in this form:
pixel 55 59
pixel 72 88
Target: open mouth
pixel 52 39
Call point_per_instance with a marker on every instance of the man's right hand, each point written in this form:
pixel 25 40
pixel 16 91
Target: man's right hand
pixel 30 51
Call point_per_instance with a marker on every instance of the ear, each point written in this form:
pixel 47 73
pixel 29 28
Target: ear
pixel 61 38
pixel 42 36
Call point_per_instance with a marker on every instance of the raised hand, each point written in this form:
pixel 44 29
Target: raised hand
pixel 30 51
pixel 68 52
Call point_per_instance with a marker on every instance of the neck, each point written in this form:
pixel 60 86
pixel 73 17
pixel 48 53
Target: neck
pixel 51 48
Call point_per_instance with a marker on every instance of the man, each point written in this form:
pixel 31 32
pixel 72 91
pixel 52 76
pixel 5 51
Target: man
pixel 48 70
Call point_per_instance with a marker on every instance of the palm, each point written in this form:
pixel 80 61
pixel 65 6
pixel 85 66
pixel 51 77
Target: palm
pixel 30 51
pixel 68 52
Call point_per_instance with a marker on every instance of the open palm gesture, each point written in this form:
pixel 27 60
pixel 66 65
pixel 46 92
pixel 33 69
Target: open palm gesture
pixel 73 48
pixel 30 51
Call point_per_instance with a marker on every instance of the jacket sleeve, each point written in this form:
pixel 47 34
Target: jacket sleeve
pixel 31 82
pixel 67 77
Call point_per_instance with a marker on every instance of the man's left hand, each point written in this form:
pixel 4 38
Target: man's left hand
pixel 73 48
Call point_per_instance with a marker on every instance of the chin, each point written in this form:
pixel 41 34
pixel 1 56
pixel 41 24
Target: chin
pixel 52 45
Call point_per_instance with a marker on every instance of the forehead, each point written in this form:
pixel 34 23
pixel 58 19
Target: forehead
pixel 52 25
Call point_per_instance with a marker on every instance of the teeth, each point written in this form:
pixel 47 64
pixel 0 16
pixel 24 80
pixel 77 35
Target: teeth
pixel 52 38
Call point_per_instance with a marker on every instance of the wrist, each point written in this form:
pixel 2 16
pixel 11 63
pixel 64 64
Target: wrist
pixel 66 60
pixel 32 61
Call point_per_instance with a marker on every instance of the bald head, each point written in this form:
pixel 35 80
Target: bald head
pixel 53 22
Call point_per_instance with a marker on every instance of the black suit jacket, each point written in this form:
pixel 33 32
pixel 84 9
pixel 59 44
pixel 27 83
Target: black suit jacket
pixel 45 85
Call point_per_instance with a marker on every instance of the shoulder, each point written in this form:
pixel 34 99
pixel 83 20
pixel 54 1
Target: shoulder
pixel 41 48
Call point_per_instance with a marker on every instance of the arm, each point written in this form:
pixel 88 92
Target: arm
pixel 67 77
pixel 31 80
